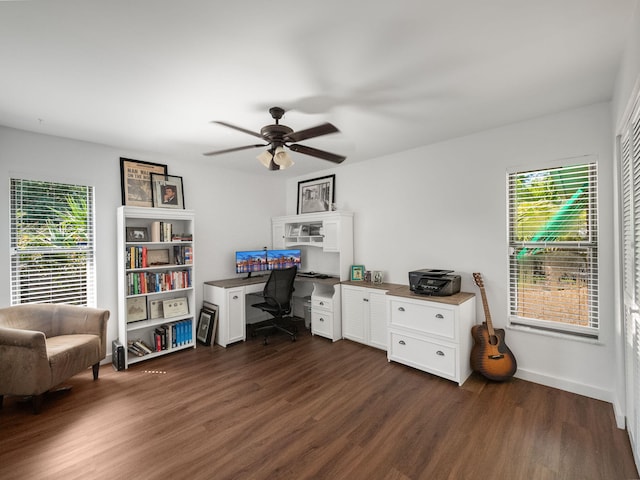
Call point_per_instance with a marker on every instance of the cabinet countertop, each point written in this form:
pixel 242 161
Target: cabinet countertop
pixel 391 288
pixel 244 281
pixel 404 291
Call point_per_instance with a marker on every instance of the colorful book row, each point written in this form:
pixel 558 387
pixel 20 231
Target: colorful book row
pixel 173 335
pixel 150 282
pixel 142 257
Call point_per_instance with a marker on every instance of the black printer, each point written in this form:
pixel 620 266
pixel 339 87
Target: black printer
pixel 434 282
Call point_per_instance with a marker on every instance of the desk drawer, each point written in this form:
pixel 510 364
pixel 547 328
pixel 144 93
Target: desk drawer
pixel 322 323
pixel 322 303
pixel 423 317
pixel 423 354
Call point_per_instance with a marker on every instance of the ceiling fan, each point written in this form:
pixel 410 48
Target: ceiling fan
pixel 279 136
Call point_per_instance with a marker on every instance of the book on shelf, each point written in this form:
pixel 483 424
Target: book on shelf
pixel 161 231
pixel 182 237
pixel 183 254
pixel 155 231
pixel 136 349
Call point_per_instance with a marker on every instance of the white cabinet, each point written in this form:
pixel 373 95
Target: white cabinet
pixel 325 311
pixel 432 334
pixel 326 239
pixel 231 321
pixel 156 299
pixel 231 296
pixel 331 228
pixel 277 234
pixel 364 315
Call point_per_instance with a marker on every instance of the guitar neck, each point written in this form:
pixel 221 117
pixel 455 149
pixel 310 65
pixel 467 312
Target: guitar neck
pixel 487 314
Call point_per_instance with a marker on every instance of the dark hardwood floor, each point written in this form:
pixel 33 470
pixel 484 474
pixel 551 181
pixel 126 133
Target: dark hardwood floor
pixel 306 410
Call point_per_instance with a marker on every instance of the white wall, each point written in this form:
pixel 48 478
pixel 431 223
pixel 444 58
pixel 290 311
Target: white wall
pixel 444 206
pixel 233 210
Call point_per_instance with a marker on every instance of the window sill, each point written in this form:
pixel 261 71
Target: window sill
pixel 554 334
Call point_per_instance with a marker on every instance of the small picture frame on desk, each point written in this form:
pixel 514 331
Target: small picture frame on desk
pixel 357 273
pixel 207 324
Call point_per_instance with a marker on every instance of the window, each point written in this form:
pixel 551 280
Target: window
pixel 553 257
pixel 52 243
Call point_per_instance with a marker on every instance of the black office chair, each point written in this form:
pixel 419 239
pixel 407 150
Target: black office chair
pixel 277 295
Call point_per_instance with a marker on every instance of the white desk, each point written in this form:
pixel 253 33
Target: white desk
pixel 232 296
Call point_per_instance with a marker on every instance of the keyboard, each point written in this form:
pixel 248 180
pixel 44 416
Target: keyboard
pixel 313 275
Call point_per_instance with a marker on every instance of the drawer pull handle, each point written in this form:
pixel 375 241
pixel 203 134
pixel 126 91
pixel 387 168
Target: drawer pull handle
pixel 321 303
pixel 402 342
pixel 365 299
pixel 235 297
pixel 401 309
pixel 439 315
pixel 440 353
pixel 321 319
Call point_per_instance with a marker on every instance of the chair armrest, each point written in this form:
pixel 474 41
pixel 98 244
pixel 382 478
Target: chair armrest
pixel 72 320
pixel 19 338
pixel 24 365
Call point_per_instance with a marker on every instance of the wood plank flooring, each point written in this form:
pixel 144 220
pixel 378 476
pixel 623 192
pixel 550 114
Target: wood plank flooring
pixel 311 409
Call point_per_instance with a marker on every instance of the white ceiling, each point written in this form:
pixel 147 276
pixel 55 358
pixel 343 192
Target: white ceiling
pixel 150 75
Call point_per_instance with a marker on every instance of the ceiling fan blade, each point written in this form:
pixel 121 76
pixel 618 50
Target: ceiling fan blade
pixel 235 149
pixel 225 124
pixel 314 152
pixel 312 132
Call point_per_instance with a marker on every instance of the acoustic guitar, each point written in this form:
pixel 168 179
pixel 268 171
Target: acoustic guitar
pixel 490 355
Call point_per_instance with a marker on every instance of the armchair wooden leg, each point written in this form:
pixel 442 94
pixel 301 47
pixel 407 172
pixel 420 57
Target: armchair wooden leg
pixel 96 369
pixel 1 398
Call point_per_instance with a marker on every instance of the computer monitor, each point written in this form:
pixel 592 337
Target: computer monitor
pixel 279 259
pixel 248 261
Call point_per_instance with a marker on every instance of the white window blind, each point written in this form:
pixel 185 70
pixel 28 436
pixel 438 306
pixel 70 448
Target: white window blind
pixel 52 243
pixel 554 248
pixel 629 166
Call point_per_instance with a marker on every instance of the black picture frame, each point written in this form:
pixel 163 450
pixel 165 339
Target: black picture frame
pixel 207 325
pixel 135 181
pixel 316 194
pixel 161 186
pixel 137 234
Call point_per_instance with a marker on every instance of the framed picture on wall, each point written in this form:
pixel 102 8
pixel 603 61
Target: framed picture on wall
pixel 316 195
pixel 135 181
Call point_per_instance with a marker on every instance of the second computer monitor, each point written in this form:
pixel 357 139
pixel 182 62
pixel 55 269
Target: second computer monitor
pixel 279 259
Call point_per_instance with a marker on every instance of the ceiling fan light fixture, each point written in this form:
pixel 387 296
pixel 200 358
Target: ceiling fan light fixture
pixel 282 158
pixel 265 158
pixel 277 137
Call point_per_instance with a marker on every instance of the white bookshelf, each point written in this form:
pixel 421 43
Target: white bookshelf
pixel 156 281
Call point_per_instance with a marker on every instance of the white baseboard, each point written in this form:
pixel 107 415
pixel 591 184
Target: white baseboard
pixel 107 359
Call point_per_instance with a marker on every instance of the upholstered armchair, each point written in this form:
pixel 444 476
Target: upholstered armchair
pixel 42 345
